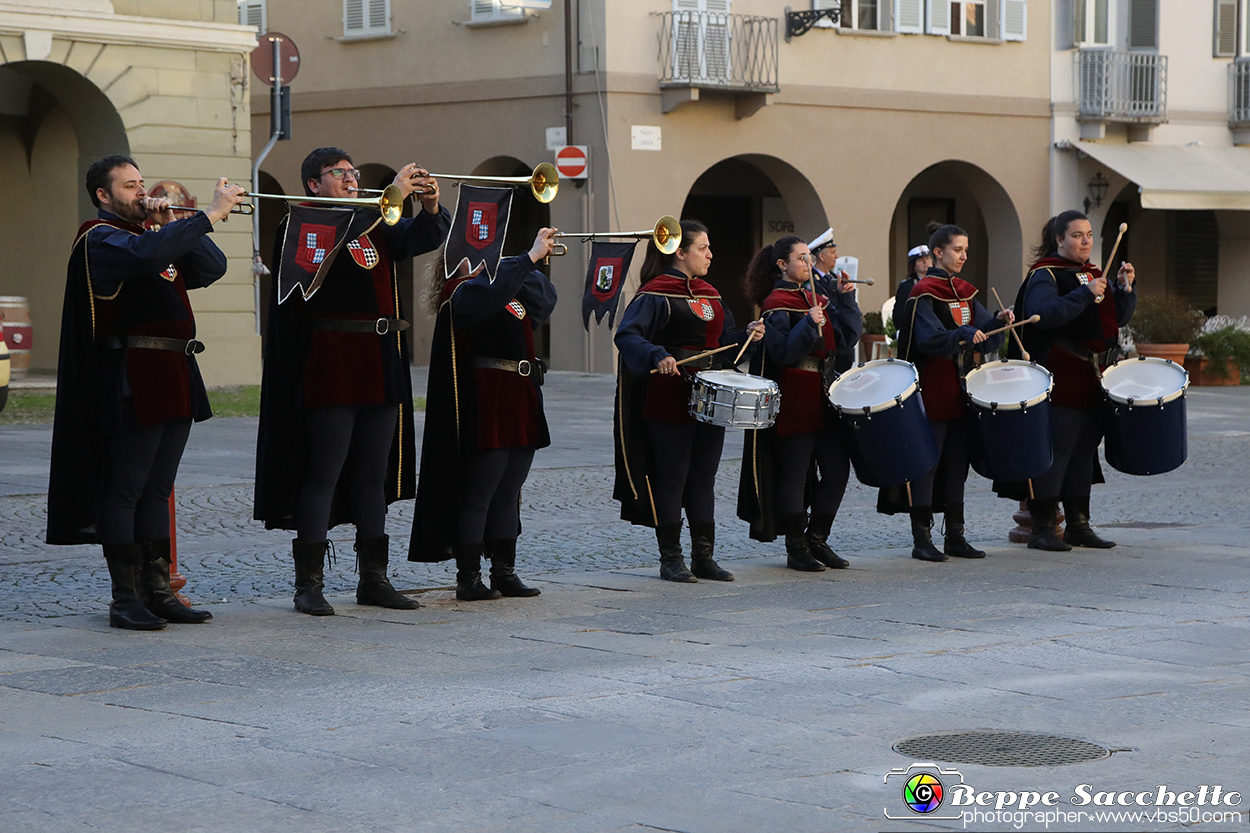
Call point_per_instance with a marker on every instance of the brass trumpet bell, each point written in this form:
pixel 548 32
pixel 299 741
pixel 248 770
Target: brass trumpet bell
pixel 666 235
pixel 544 182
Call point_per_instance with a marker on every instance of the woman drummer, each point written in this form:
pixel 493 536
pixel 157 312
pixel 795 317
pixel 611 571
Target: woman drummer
pixel 943 324
pixel 664 458
pixel 804 332
pixel 1076 337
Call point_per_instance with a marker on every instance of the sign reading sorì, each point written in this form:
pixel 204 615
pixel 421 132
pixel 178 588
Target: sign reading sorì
pixel 571 162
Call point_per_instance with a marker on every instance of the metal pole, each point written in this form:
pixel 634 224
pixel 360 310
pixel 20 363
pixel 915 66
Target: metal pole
pixel 275 118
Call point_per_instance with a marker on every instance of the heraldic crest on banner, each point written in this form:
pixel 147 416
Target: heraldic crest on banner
pixel 478 230
pixel 314 237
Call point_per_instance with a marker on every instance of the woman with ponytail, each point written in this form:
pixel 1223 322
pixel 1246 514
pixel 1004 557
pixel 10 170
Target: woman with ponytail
pixel 1075 339
pixel 802 455
pixel 664 458
pixel 943 324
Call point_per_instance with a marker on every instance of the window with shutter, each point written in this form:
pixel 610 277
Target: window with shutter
pixel 967 18
pixel 252 13
pixel 484 11
pixel 909 16
pixel 1143 24
pixel 938 17
pixel 701 30
pixel 365 18
pixel 1014 17
pixel 1225 45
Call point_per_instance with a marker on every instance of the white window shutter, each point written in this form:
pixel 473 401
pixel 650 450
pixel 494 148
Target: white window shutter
pixel 909 16
pixel 252 13
pixel 717 5
pixel 1080 11
pixel 1014 18
pixel 938 17
pixel 1225 45
pixel 379 16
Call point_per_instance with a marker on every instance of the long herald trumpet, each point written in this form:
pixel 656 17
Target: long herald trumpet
pixel 544 182
pixel 390 204
pixel 666 234
pixel 242 208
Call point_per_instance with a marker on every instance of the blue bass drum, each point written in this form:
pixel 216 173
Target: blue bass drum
pixel 1010 418
pixel 887 431
pixel 1145 415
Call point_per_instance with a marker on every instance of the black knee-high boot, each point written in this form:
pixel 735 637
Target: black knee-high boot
pixel 1044 512
pixel 1078 532
pixel 310 563
pixel 672 562
pixel 469 587
pixel 922 535
pixel 126 571
pixel 818 542
pixel 702 545
pixel 374 588
pixel 798 553
pixel 955 543
pixel 503 577
pixel 158 596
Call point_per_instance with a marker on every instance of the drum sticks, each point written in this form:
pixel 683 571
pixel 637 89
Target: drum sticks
pixel 738 357
pixel 1024 354
pixel 1032 319
pixel 1111 260
pixel 702 355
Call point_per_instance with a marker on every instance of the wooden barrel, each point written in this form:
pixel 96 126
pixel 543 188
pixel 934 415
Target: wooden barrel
pixel 15 318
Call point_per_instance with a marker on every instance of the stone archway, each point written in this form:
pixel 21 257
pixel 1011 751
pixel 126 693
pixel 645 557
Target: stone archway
pixel 746 201
pixel 959 192
pixel 58 123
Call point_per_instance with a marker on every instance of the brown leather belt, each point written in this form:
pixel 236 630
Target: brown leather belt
pixel 186 346
pixel 381 326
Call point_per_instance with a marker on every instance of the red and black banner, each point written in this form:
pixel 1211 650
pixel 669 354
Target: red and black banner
pixel 314 237
pixel 477 231
pixel 609 263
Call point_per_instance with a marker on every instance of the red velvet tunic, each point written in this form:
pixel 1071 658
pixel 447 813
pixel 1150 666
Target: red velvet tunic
pixel 802 391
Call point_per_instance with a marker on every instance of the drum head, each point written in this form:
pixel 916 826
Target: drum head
pixel 1008 384
pixel 874 385
pixel 733 379
pixel 1144 380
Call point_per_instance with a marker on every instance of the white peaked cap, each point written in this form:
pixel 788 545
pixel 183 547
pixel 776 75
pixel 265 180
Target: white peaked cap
pixel 824 239
pixel 919 251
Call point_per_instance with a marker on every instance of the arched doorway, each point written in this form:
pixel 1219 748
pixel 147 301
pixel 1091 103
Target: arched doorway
pixel 746 201
pixel 57 123
pixel 966 195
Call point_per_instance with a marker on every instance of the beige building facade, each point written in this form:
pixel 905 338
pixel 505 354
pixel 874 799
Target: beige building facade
pixel 164 81
pixel 905 111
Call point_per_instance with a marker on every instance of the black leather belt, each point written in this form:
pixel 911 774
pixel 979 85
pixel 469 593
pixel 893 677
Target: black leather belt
pixel 524 367
pixel 381 326
pixel 681 353
pixel 810 364
pixel 174 345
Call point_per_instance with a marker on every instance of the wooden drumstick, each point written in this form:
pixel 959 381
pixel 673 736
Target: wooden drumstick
pixel 702 355
pixel 1032 319
pixel 738 357
pixel 1023 353
pixel 1111 260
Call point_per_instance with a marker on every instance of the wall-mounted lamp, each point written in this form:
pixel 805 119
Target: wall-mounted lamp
pixel 1097 187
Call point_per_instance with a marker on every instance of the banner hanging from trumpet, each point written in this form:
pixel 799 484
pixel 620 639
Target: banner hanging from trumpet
pixel 314 237
pixel 477 231
pixel 609 263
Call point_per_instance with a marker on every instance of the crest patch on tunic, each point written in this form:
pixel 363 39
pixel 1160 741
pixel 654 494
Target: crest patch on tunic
pixel 170 273
pixel 702 308
pixel 516 309
pixel 363 252
pixel 1084 278
pixel 961 311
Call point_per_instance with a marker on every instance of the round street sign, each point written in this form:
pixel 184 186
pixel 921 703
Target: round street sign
pixel 262 58
pixel 571 161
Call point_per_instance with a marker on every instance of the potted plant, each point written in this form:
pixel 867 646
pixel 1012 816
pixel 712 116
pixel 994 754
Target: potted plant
pixel 1164 326
pixel 874 333
pixel 1220 353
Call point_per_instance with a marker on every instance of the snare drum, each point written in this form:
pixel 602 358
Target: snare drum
pixel 1145 410
pixel 1011 437
pixel 734 400
pixel 888 433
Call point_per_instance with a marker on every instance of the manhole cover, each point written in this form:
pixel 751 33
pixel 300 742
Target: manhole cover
pixel 1001 749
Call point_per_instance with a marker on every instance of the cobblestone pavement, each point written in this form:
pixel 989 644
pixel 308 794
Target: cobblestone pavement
pixel 570 522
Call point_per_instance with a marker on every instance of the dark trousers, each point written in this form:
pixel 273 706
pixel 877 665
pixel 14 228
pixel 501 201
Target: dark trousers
pixel 953 440
pixel 490 495
pixel 355 437
pixel 1076 433
pixel 833 465
pixel 141 464
pixel 685 458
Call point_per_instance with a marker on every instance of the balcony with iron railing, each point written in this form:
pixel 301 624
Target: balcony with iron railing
pixel 1116 86
pixel 1239 100
pixel 718 53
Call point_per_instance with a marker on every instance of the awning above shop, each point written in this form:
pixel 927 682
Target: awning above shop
pixel 1184 177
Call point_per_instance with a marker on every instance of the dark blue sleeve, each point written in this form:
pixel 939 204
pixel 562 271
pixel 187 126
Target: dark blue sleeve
pixel 1041 297
pixel 984 320
pixel 479 298
pixel 786 341
pixel 931 337
pixel 116 255
pixel 643 319
pixel 537 294
pixel 730 334
pixel 848 322
pixel 1125 304
pixel 416 235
